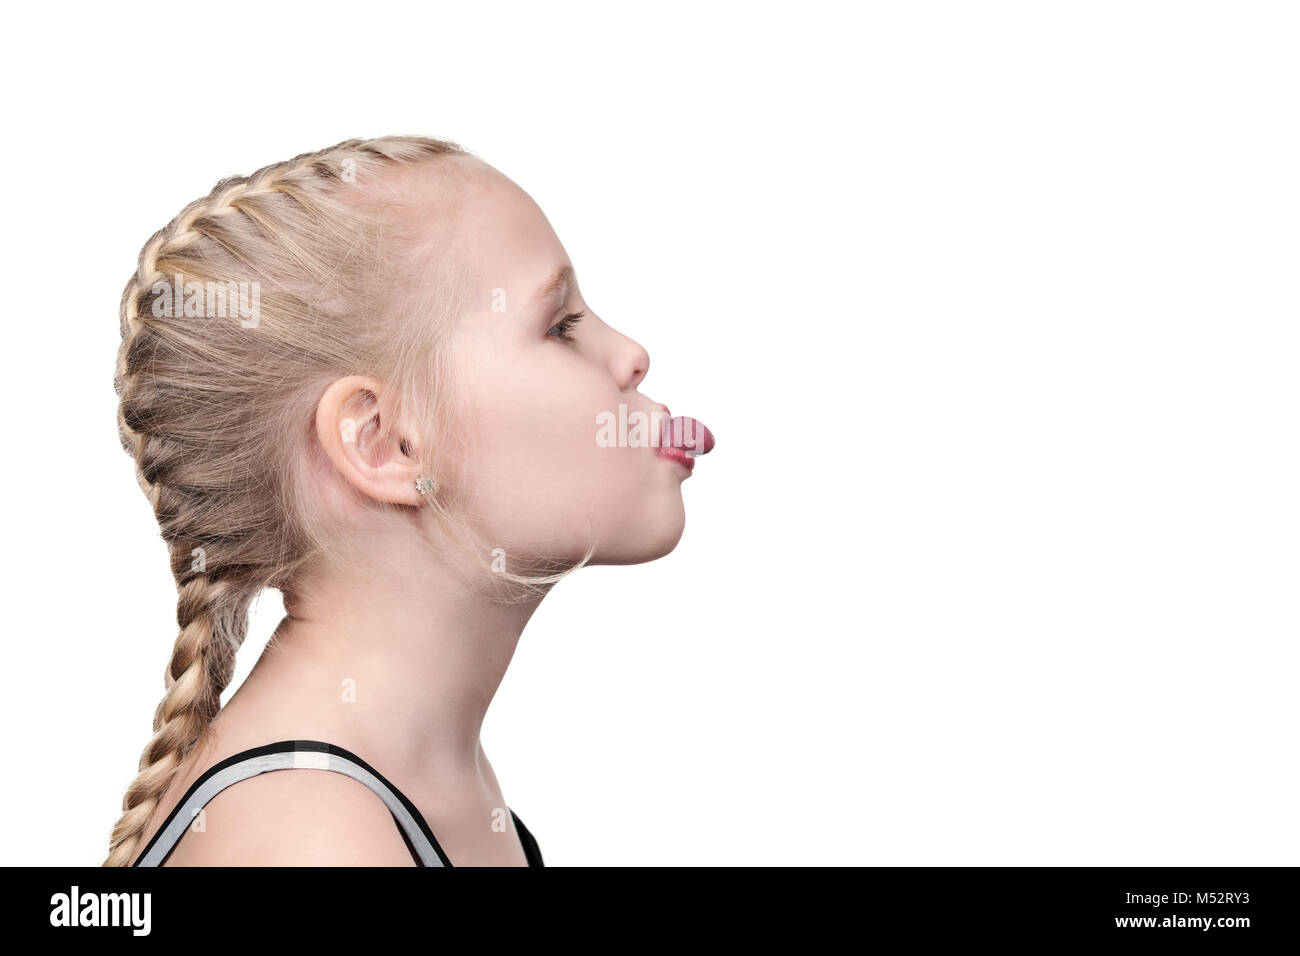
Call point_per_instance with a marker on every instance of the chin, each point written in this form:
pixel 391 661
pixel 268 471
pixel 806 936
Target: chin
pixel 653 536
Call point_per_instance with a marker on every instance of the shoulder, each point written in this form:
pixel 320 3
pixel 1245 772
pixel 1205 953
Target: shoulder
pixel 298 817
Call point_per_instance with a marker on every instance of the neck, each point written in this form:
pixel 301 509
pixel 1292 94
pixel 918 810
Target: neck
pixel 402 663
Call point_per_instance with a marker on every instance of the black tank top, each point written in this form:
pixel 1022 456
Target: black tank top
pixel 312 755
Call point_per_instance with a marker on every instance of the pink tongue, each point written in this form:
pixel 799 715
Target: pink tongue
pixel 688 434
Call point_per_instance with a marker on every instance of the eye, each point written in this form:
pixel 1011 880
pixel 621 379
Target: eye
pixel 562 328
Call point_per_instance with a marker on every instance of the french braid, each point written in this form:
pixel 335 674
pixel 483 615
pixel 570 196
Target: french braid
pixel 215 412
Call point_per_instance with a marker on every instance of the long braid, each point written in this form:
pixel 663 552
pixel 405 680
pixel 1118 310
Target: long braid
pixel 195 411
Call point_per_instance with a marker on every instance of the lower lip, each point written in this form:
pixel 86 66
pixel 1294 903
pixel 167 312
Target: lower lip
pixel 677 455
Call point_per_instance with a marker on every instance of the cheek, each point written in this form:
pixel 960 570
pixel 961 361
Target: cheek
pixel 540 482
pixel 530 452
pixel 576 475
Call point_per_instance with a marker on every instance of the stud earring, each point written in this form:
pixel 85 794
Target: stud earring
pixel 424 485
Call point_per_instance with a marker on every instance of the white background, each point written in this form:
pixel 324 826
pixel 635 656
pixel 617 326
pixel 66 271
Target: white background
pixel 992 308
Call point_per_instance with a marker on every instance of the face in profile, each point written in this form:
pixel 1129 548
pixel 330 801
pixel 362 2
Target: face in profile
pixel 542 373
pixel 544 449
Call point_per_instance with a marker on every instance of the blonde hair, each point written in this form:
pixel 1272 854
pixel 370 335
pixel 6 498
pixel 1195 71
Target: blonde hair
pixel 345 276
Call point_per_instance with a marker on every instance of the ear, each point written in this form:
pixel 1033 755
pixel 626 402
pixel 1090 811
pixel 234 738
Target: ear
pixel 377 461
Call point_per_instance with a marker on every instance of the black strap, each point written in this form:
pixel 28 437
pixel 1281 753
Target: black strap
pixel 532 853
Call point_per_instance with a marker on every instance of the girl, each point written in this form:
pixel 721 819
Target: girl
pixel 367 377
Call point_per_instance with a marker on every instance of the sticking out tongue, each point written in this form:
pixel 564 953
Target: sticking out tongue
pixel 688 434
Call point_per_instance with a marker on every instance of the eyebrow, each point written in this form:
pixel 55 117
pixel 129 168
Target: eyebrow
pixel 557 281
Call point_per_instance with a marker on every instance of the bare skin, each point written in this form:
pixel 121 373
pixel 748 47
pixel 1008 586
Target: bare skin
pixel 399 665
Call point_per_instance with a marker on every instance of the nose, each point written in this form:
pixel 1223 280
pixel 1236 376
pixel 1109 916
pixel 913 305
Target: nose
pixel 631 364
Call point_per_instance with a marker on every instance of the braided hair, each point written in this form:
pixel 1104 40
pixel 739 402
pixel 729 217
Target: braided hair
pixel 216 408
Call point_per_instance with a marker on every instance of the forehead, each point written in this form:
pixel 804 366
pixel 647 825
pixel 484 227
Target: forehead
pixel 504 238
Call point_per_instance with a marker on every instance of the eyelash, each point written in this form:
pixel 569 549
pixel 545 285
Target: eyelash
pixel 565 325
